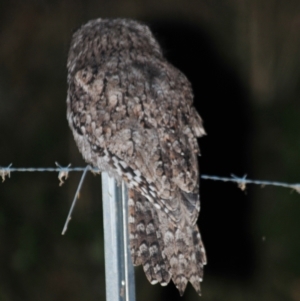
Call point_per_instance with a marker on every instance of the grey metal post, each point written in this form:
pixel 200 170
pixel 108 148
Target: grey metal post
pixel 119 271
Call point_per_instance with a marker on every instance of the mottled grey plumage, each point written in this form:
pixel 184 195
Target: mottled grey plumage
pixel 131 115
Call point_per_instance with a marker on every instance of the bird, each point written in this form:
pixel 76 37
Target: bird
pixel 132 115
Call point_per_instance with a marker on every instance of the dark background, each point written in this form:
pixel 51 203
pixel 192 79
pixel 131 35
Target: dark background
pixel 243 60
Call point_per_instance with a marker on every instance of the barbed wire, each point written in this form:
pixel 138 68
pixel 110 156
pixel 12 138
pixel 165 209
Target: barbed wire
pixel 63 174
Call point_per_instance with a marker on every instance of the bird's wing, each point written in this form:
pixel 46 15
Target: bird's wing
pixel 143 119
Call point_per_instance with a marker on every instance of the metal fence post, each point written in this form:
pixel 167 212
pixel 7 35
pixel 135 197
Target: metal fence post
pixel 119 271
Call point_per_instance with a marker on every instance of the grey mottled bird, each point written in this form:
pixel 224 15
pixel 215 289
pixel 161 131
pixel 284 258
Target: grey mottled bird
pixel 131 115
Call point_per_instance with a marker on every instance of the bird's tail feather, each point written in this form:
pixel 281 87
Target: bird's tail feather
pixel 165 250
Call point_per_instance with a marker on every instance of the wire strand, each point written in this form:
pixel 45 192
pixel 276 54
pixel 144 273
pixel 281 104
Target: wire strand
pixel 74 200
pixel 63 173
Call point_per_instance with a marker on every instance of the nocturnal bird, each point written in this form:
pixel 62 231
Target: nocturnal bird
pixel 131 113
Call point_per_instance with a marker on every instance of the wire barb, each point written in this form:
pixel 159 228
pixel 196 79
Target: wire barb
pixel 88 167
pixel 5 172
pixel 240 181
pixel 63 173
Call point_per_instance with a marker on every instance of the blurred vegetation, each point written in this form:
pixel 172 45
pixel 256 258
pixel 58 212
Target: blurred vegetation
pixel 243 60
